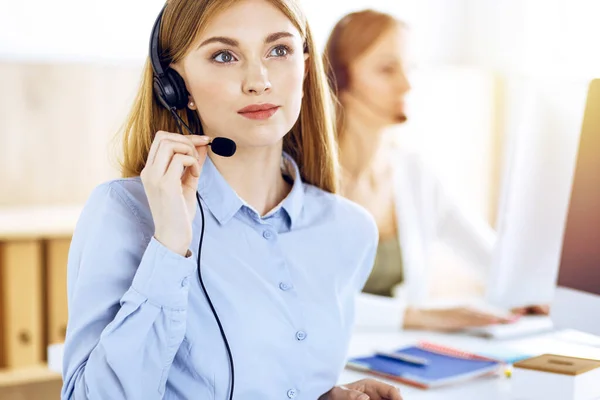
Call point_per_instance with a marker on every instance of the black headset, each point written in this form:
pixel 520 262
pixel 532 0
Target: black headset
pixel 171 92
pixel 169 86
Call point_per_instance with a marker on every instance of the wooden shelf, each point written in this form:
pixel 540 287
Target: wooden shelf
pixel 31 383
pixel 27 375
pixel 34 247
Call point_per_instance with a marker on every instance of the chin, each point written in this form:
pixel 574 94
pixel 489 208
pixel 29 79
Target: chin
pixel 261 136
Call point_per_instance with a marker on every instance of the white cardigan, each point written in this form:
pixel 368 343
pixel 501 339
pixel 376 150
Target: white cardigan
pixel 426 214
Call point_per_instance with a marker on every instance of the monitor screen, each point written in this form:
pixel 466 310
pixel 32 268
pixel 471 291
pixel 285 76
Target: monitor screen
pixel 580 260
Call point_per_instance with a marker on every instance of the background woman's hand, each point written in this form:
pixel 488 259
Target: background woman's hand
pixel 451 319
pixel 540 309
pixel 365 389
pixel 170 179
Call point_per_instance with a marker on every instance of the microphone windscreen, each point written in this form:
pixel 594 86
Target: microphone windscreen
pixel 223 147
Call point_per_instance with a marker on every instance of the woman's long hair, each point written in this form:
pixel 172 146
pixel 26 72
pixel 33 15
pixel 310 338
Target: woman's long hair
pixel 311 141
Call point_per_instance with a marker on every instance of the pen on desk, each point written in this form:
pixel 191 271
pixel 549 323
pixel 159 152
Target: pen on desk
pixel 404 357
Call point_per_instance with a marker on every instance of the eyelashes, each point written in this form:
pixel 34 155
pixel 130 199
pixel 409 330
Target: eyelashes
pixel 227 57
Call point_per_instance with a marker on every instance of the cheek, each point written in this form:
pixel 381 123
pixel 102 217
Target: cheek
pixel 212 96
pixel 287 83
pixel 375 87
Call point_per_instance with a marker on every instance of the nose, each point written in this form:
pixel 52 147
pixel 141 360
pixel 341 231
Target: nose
pixel 403 84
pixel 256 81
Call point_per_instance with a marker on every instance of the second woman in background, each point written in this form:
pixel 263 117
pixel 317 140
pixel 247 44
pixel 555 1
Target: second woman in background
pixel 365 53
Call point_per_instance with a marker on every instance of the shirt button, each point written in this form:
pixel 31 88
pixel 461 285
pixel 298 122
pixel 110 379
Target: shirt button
pixel 184 282
pixel 285 286
pixel 300 335
pixel 292 393
pixel 267 234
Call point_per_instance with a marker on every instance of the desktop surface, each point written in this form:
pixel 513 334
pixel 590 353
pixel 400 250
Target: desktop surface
pixel 488 388
pixel 565 342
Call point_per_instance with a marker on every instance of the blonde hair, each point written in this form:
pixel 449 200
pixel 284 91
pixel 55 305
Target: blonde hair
pixel 311 141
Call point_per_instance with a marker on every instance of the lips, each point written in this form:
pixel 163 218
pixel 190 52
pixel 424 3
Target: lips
pixel 258 111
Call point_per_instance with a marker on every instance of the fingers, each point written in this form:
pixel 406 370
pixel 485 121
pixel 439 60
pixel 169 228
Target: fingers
pixel 381 391
pixel 456 319
pixel 541 309
pixel 481 321
pixel 191 175
pixel 459 318
pixel 375 389
pixel 488 318
pixel 472 318
pixel 192 140
pixel 356 395
pixel 167 149
pixel 346 393
pixel 178 163
pixel 156 142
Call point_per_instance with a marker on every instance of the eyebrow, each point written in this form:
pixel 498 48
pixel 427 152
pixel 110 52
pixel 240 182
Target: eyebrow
pixel 234 43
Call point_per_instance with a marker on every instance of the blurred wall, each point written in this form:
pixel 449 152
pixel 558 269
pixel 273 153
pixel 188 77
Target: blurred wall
pixel 57 127
pixel 544 53
pixel 118 30
pixel 70 69
pixel 515 41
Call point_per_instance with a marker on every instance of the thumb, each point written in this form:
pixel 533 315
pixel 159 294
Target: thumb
pixel 352 394
pixel 359 395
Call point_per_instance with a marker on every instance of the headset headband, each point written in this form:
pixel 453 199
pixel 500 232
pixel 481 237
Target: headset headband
pixel 155 44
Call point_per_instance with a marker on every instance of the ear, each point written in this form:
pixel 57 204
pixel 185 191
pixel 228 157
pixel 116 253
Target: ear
pixel 344 96
pixel 179 68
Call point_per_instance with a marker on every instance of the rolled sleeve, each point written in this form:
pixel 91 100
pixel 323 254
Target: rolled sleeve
pixel 163 276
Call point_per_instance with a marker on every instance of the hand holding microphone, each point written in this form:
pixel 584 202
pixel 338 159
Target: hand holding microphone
pixel 171 194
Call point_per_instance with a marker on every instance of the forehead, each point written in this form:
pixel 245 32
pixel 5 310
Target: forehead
pixel 248 20
pixel 391 44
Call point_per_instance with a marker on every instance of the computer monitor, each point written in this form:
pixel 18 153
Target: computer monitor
pixel 535 193
pixel 577 298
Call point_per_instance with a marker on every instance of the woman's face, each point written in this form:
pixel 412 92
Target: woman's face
pixel 377 80
pixel 249 55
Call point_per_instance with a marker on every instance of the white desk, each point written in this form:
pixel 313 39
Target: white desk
pixel 489 388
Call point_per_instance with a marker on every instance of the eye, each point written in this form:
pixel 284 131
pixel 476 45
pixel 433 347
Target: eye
pixel 223 57
pixel 280 51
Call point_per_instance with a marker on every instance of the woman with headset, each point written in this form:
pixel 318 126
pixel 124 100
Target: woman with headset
pixel 264 307
pixel 365 56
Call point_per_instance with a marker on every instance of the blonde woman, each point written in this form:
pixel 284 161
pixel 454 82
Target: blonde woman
pixel 366 59
pixel 264 308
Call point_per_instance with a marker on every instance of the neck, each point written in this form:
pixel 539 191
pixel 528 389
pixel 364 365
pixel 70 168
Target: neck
pixel 361 140
pixel 255 175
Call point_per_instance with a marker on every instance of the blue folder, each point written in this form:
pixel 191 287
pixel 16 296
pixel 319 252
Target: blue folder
pixel 442 368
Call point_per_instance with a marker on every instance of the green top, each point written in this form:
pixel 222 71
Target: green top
pixel 387 271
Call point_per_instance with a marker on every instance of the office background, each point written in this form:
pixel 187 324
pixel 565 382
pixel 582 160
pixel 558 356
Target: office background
pixel 483 73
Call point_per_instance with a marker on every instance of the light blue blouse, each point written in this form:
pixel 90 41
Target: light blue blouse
pixel 283 285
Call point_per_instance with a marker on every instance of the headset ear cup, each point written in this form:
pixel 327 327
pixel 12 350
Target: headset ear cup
pixel 179 93
pixel 159 93
pixel 342 78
